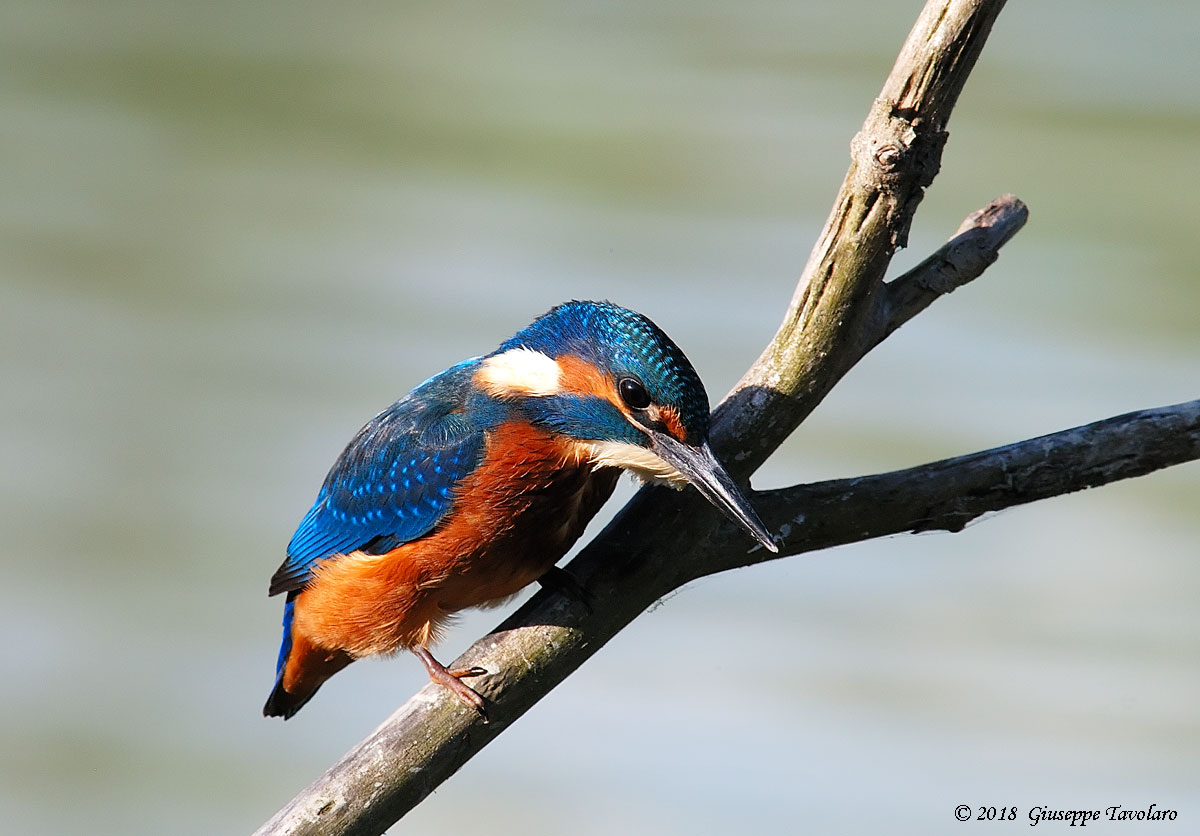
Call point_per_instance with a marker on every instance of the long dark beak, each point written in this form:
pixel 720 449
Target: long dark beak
pixel 709 477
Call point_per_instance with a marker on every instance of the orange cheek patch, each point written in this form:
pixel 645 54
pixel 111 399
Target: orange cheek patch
pixel 669 416
pixel 578 375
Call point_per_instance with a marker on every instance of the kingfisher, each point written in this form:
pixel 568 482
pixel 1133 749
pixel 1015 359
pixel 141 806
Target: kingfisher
pixel 475 484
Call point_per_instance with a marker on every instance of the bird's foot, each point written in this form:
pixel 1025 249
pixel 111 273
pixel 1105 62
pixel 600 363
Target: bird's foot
pixel 452 679
pixel 558 579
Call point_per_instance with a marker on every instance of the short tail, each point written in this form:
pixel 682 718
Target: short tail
pixel 301 669
pixel 283 704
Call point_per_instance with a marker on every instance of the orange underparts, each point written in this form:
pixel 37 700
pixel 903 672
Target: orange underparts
pixel 511 520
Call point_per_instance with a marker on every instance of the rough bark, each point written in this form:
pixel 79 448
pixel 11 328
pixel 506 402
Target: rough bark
pixel 841 309
pixel 949 494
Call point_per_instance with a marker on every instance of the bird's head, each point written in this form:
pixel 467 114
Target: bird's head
pixel 612 382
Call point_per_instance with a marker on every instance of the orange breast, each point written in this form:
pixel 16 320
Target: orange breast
pixel 512 520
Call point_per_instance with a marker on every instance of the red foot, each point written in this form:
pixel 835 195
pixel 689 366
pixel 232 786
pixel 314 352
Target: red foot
pixel 451 679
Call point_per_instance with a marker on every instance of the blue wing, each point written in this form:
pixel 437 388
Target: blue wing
pixel 395 480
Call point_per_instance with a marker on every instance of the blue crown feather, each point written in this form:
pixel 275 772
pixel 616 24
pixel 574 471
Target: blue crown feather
pixel 624 343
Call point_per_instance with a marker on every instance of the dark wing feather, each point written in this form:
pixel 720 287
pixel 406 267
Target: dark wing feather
pixel 395 480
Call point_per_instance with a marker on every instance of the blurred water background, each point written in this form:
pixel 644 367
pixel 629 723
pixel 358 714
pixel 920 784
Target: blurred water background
pixel 230 232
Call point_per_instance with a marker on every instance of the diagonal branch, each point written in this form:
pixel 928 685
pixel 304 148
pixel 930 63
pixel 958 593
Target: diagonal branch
pixel 841 309
pixel 404 759
pixel 625 570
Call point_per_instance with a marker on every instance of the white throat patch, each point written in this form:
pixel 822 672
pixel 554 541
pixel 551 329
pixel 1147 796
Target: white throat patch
pixel 641 463
pixel 519 371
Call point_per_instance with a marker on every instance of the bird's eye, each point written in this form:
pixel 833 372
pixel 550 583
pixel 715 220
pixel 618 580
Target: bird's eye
pixel 633 393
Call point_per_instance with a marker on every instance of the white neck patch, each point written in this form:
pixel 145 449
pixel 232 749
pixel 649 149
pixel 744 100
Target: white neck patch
pixel 643 464
pixel 519 371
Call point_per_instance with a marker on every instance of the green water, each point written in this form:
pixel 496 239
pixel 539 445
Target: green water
pixel 231 232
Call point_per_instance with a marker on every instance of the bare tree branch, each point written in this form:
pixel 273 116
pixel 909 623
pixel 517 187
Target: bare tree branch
pixel 949 494
pixel 841 306
pixel 841 309
pixel 973 249
pixel 432 736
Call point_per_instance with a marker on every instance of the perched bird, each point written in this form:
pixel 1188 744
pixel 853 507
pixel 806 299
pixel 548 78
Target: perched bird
pixel 475 483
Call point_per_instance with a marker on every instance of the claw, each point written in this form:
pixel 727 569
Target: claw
pixel 452 679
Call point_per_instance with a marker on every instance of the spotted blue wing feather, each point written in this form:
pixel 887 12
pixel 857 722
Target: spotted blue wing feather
pixel 395 480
